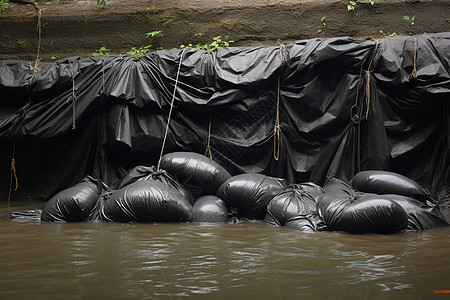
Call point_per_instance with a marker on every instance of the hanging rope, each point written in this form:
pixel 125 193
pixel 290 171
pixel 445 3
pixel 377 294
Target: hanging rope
pixel 276 128
pixel 35 68
pixel 414 71
pixel 367 93
pixel 170 110
pixel 13 173
pixel 74 98
pixel 208 149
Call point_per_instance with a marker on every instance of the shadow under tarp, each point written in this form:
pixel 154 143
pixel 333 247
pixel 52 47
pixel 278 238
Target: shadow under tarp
pixel 305 111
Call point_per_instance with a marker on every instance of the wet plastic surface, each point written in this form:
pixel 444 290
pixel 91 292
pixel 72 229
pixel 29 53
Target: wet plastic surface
pixel 306 111
pixel 249 194
pixel 73 204
pixel 146 201
pixel 210 209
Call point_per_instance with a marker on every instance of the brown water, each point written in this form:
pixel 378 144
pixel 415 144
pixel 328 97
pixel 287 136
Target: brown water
pixel 243 261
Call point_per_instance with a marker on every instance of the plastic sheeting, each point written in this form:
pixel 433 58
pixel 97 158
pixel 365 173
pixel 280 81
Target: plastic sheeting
pixel 305 111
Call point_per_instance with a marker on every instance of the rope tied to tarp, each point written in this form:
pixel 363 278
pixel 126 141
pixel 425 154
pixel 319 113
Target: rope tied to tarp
pixel 208 141
pixel 74 98
pixel 414 71
pixel 170 110
pixel 277 128
pixel 13 174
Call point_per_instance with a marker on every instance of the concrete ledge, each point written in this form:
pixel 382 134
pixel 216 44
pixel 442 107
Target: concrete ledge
pixel 75 28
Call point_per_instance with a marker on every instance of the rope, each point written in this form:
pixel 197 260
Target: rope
pixel 170 110
pixel 208 149
pixel 74 98
pixel 13 172
pixel 414 71
pixel 367 93
pixel 276 128
pixel 39 27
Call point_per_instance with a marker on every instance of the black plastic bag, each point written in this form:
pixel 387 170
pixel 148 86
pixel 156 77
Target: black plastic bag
pixel 343 209
pixel 139 173
pixel 420 215
pixel 296 200
pixel 310 222
pixel 200 174
pixel 249 194
pixel 146 201
pixel 385 182
pixel 209 208
pixel 73 204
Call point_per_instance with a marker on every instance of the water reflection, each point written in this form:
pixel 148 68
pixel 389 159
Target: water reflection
pixel 145 261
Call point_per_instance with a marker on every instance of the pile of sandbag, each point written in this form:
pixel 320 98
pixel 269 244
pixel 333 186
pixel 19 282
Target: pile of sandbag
pixel 190 187
pixel 379 202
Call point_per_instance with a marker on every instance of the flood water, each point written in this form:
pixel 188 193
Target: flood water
pixel 89 260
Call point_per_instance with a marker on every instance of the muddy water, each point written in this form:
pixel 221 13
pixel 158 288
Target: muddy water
pixel 203 261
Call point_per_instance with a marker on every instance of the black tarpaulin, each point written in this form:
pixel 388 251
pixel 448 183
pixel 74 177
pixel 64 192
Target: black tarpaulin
pixel 304 111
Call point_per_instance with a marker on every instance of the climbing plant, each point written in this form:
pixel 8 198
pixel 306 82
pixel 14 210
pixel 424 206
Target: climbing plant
pixel 3 6
pixel 217 43
pixel 351 4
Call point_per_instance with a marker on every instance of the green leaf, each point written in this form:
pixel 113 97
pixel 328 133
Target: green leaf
pixel 406 18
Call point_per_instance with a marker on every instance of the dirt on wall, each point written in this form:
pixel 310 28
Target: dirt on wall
pixel 65 28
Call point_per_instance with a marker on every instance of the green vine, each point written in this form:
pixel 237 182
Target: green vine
pixel 217 43
pixel 351 4
pixel 3 6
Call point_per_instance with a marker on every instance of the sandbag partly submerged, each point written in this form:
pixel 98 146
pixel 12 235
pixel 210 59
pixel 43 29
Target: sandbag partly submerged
pixel 200 174
pixel 146 201
pixel 249 194
pixel 209 208
pixel 140 173
pixel 310 222
pixel 296 200
pixel 420 215
pixel 343 209
pixel 73 204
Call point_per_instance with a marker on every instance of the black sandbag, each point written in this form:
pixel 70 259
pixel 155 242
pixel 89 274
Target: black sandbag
pixel 73 204
pixel 343 209
pixel 249 194
pixel 298 199
pixel 209 208
pixel 139 173
pixel 200 174
pixel 146 201
pixel 385 182
pixel 420 215
pixel 310 222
